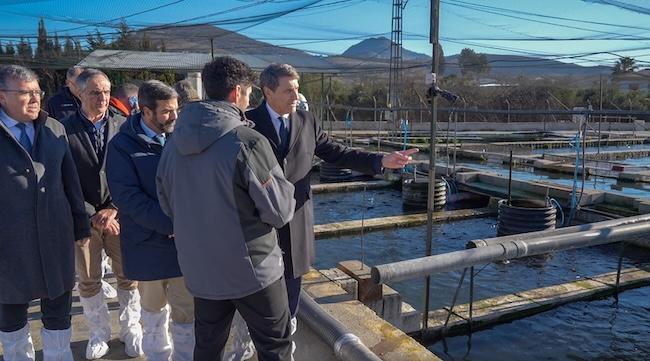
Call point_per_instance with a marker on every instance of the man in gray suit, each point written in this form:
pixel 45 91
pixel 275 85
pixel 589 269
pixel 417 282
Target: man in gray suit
pixel 296 137
pixel 41 215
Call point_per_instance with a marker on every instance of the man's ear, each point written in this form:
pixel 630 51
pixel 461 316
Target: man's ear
pixel 72 86
pixel 234 94
pixel 265 90
pixel 146 112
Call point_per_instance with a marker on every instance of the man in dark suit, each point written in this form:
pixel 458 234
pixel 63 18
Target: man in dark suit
pixel 296 137
pixel 41 214
pixel 89 131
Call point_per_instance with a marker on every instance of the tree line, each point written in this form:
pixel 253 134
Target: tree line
pixel 53 54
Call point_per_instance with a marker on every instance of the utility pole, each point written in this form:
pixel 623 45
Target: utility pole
pixel 395 74
pixel 434 36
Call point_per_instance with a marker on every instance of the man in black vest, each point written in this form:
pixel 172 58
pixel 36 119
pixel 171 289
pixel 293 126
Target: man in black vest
pixel 296 137
pixel 89 131
pixel 66 101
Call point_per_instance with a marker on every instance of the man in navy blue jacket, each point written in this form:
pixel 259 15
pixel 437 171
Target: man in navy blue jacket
pixel 148 249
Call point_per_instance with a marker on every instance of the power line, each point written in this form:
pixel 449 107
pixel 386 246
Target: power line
pixel 623 5
pixel 626 26
pixel 485 10
pixel 184 22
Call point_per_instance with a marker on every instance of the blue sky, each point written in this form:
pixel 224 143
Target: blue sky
pixel 587 32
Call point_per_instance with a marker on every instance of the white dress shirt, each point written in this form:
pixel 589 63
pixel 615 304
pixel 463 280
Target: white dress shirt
pixel 15 131
pixel 275 118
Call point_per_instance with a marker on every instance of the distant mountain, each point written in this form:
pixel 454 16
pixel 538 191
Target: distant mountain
pixel 515 65
pixel 372 53
pixel 375 53
pixel 196 38
pixel 379 49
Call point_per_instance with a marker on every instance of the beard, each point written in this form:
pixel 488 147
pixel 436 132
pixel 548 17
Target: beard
pixel 164 127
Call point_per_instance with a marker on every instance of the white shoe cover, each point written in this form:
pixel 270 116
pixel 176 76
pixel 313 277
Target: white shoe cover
pixel 130 328
pixel 108 290
pixel 98 321
pixel 155 341
pixel 56 345
pixel 17 345
pixel 183 339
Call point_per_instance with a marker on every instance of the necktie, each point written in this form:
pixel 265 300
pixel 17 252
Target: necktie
pixel 23 139
pixel 284 135
pixel 160 139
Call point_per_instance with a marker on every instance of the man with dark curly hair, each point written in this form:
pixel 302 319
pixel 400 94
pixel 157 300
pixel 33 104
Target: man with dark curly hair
pixel 220 183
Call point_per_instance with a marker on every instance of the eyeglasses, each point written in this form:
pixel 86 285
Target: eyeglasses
pixel 23 93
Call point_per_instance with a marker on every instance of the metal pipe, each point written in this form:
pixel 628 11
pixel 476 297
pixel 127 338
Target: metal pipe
pixel 346 345
pixel 374 110
pixel 604 112
pixel 453 301
pixel 451 115
pixel 363 219
pixel 619 267
pixel 404 270
pixel 510 179
pixel 431 203
pixel 566 230
pixel 600 118
pixel 321 112
pixel 471 298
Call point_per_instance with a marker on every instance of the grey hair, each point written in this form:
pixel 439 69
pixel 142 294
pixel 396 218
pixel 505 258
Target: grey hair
pixel 73 71
pixel 126 90
pixel 86 75
pixel 15 72
pixel 270 76
pixel 153 90
pixel 186 92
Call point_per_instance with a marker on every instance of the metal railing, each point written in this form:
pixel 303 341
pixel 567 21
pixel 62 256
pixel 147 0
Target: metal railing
pixel 511 248
pixel 472 114
pixel 485 251
pixel 346 345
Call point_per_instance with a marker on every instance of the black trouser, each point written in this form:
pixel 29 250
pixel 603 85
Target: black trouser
pixel 294 285
pixel 266 313
pixel 55 314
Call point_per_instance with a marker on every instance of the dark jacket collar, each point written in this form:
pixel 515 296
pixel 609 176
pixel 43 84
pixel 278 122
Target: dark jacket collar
pixel 133 129
pixel 68 94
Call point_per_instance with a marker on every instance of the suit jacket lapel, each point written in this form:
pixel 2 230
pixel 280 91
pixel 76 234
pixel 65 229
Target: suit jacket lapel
pixel 294 129
pixel 265 126
pixel 38 126
pixel 112 127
